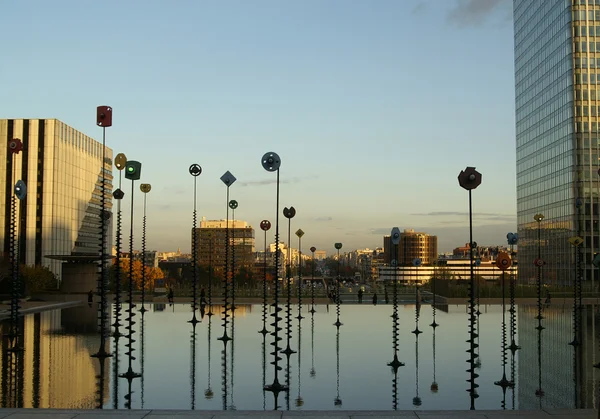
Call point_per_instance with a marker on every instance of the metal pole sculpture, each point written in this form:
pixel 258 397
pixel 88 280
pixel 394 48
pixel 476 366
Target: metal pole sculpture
pixel 289 213
pixel 133 171
pixel 115 369
pixel 417 399
pixel 232 369
pixel 539 263
pixel 233 204
pixel 195 170
pixel 337 323
pixel 224 376
pixel 19 192
pixel 300 233
pixel 416 263
pixel 118 194
pixel 265 225
pixel 145 188
pixel 313 371
pixel 299 399
pixel 104 120
pixel 228 179
pixel 513 239
pixel 142 356
pixel 271 163
pixel 503 262
pixel 477 281
pixel 313 249
pixel 395 364
pixel 470 179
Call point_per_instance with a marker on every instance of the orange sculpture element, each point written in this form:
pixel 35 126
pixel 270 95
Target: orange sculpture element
pixel 503 261
pixel 14 146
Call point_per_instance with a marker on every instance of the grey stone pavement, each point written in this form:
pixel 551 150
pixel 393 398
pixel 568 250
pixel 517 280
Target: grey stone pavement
pixel 309 414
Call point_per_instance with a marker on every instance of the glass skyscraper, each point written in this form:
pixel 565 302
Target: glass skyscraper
pixel 62 169
pixel 557 72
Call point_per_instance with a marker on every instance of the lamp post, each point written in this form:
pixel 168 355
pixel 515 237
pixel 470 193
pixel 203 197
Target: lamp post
pixel 337 323
pixel 313 249
pixel 145 188
pixel 271 163
pixel 299 233
pixel 470 179
pixel 289 213
pixel 228 179
pixel 265 225
pixel 195 170
pixel 118 194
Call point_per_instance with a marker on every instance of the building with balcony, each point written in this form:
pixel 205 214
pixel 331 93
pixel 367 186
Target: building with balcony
pixel 412 245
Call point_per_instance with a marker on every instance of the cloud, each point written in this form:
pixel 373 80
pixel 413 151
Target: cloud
pixel 323 219
pixel 273 181
pixel 475 12
pixel 487 215
pixel 419 8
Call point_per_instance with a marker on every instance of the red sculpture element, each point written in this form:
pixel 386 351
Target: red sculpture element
pixel 503 261
pixel 14 146
pixel 265 225
pixel 104 116
pixel 539 262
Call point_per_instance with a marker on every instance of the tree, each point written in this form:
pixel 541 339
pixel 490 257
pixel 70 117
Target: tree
pixel 152 274
pixel 37 278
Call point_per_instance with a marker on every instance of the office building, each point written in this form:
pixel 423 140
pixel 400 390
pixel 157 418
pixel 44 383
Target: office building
pixel 211 248
pixel 557 71
pixel 62 169
pixel 412 245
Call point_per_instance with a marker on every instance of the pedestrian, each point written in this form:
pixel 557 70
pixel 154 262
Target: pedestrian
pixel 360 294
pixel 375 299
pixel 170 295
pixel 386 295
pixel 90 297
pixel 202 296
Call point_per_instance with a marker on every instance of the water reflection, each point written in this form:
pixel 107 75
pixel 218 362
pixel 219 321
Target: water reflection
pixel 55 369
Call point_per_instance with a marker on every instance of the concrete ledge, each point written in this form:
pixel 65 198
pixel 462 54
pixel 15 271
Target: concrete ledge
pixel 309 414
pixel 29 307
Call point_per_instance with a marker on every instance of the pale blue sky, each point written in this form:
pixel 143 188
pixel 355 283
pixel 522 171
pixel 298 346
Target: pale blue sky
pixel 373 106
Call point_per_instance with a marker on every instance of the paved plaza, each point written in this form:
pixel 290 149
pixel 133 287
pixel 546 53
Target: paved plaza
pixel 310 414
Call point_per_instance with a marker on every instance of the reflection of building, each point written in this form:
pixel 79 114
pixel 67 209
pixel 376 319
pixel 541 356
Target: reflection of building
pixel 412 245
pixel 556 133
pixel 58 369
pixel 211 238
pixel 557 359
pixel 62 170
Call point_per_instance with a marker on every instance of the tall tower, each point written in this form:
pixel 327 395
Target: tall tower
pixel 557 68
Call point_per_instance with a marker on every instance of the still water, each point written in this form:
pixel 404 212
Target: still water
pixel 330 369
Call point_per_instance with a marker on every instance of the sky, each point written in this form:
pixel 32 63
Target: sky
pixel 373 107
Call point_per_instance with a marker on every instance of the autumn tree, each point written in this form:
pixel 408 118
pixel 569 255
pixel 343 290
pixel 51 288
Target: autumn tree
pixel 151 273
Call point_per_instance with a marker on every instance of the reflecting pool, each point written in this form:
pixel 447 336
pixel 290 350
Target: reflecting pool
pixel 330 369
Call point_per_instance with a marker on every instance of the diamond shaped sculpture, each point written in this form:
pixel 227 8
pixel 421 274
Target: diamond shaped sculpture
pixel 228 179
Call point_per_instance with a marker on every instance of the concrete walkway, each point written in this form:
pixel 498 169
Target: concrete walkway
pixel 310 414
pixel 29 307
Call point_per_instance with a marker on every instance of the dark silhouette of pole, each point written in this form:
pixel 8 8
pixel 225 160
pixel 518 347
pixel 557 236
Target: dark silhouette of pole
pixel 145 188
pixel 470 179
pixel 271 163
pixel 289 213
pixel 195 170
pixel 299 233
pixel 265 225
pixel 312 283
pixel 539 262
pixel 337 323
pixel 118 194
pixel 233 204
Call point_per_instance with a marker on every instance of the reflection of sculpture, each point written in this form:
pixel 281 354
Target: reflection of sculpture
pixel 299 399
pixel 193 368
pixel 539 263
pixel 271 163
pixel 208 393
pixel 337 402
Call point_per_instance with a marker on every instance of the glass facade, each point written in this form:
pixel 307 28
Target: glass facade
pixel 551 138
pixel 62 169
